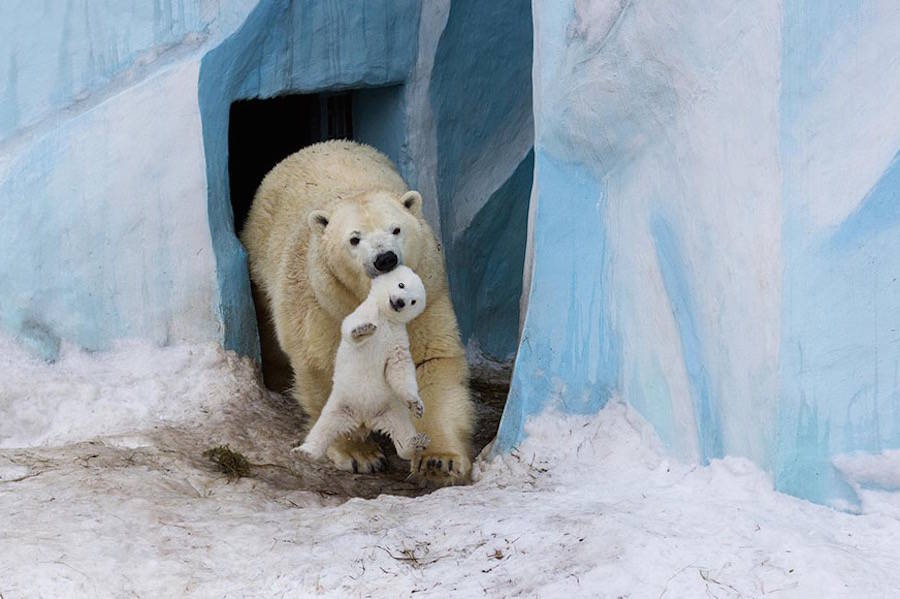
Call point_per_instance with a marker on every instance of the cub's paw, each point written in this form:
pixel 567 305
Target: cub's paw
pixel 416 406
pixel 352 455
pixel 435 468
pixel 307 451
pixel 362 331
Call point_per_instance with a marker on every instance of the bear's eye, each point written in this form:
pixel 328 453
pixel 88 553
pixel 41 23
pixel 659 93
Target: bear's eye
pixel 354 241
pixel 396 230
pixel 402 286
pixel 413 302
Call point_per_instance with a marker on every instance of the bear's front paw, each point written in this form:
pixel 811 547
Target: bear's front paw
pixel 435 468
pixel 416 406
pixel 363 330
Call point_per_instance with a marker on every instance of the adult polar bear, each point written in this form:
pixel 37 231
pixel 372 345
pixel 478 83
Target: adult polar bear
pixel 324 221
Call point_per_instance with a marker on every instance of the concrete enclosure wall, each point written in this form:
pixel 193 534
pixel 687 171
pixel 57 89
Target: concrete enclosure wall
pixel 717 230
pixel 104 232
pixel 114 155
pixel 714 234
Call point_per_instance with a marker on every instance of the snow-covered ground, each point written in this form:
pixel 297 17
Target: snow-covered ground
pixel 103 494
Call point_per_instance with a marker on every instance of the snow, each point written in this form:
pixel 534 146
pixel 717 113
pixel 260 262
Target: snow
pixel 85 395
pixel 104 495
pixel 881 470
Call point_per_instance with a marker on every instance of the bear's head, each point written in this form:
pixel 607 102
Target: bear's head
pixel 400 294
pixel 368 235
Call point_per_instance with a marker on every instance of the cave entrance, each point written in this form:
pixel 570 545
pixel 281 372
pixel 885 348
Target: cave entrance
pixel 261 133
pixel 457 125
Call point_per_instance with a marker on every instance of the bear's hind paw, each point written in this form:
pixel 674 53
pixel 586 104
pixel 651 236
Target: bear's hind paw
pixel 359 457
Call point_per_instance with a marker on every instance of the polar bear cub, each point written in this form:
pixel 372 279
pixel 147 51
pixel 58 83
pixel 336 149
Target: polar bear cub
pixel 374 385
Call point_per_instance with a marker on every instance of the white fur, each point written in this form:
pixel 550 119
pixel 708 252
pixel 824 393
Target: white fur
pixel 311 275
pixel 374 385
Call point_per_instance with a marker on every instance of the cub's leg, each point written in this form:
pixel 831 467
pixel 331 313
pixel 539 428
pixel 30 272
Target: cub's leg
pixel 400 373
pixel 396 423
pixel 351 453
pixel 334 421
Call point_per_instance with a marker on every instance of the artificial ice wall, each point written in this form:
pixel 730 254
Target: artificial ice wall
pixel 716 231
pixel 116 219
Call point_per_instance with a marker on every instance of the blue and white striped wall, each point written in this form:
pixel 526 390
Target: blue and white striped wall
pixel 716 229
pixel 714 232
pixel 113 152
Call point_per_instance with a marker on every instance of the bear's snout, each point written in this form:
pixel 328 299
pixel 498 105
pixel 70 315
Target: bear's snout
pixel 386 261
pixel 398 304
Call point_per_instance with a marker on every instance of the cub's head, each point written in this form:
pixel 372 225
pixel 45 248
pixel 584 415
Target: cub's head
pixel 400 294
pixel 369 235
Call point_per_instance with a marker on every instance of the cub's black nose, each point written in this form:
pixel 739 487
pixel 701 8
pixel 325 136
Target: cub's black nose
pixel 386 262
pixel 399 303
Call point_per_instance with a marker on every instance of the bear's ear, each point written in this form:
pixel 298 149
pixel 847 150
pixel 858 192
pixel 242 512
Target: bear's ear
pixel 412 201
pixel 318 220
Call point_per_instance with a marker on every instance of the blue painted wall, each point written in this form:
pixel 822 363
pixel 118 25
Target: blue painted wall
pixel 282 48
pixel 113 152
pixel 715 235
pixel 840 344
pixel 485 263
pixel 97 220
pixel 570 354
pixel 57 54
pixel 717 230
pixel 480 95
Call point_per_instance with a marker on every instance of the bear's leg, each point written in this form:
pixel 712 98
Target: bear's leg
pixel 310 390
pixel 448 422
pixel 396 423
pixel 348 453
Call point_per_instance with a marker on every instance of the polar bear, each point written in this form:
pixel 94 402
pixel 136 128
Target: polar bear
pixel 324 222
pixel 374 386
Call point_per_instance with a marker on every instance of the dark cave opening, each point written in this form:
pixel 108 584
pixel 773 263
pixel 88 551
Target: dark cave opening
pixel 261 133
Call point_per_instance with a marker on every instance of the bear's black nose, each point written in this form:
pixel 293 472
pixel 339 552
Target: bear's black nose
pixel 386 262
pixel 399 302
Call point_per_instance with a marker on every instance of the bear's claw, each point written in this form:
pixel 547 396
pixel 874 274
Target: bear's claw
pixel 359 457
pixel 440 469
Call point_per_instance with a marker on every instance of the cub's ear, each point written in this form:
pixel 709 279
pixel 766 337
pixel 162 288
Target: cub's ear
pixel 318 220
pixel 412 201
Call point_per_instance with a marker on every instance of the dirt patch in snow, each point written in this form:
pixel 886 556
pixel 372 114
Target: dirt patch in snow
pixel 218 400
